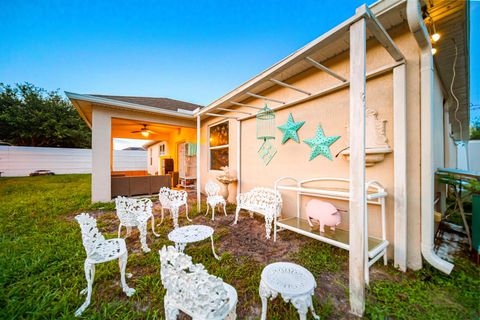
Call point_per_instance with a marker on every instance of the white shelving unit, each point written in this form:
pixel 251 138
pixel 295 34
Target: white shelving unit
pixel 375 248
pixel 187 167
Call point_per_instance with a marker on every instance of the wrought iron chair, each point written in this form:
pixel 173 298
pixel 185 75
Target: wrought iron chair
pixel 213 198
pixel 172 200
pixel 135 213
pixel 192 290
pixel 100 250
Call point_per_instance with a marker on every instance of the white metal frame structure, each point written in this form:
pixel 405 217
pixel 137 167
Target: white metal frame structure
pixel 374 248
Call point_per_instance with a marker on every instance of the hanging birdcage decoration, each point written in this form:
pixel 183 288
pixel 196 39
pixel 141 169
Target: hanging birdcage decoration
pixel 266 132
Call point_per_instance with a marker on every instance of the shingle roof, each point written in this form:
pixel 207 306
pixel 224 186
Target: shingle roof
pixel 161 103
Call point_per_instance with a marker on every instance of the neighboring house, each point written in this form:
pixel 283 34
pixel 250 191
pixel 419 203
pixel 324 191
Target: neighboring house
pixel 358 82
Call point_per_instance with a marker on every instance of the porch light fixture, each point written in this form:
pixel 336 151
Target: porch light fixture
pixel 145 133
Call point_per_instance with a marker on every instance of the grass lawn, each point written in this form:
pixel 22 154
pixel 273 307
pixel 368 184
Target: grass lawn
pixel 41 266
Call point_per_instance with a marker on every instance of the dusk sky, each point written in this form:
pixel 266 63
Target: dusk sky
pixel 189 50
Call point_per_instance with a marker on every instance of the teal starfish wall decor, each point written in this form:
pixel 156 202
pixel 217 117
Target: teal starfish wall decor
pixel 290 128
pixel 320 144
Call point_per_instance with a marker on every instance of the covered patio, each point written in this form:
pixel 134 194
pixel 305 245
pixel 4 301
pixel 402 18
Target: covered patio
pixel 150 119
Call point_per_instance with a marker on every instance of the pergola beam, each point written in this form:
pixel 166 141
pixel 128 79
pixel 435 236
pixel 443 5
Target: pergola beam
pixel 264 98
pixel 221 116
pixel 357 206
pixel 325 69
pixel 286 85
pixel 245 105
pixel 379 32
pixel 199 181
pixel 230 110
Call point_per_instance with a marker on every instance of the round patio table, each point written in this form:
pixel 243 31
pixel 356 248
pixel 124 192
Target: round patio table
pixel 189 234
pixel 293 282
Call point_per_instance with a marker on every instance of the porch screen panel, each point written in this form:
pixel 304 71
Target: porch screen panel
pixel 218 145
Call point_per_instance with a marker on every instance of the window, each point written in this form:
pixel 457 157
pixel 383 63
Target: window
pixel 218 145
pixel 162 149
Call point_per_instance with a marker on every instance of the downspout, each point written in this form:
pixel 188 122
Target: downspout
pixel 417 27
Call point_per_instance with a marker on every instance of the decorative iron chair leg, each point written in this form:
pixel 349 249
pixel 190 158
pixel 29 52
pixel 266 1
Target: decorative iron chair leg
pixel 122 263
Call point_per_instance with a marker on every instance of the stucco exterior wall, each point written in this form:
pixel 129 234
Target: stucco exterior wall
pixel 331 112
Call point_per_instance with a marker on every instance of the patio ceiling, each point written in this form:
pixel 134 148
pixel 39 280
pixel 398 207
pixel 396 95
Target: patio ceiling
pixel 122 128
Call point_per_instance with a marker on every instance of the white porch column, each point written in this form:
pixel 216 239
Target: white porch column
pixel 357 167
pixel 400 166
pixel 101 153
pixel 199 182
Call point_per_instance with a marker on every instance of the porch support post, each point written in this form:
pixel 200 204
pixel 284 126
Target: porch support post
pixel 239 156
pixel 199 184
pixel 400 166
pixel 101 155
pixel 357 208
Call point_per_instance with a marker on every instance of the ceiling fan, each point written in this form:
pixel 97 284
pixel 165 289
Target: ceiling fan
pixel 145 131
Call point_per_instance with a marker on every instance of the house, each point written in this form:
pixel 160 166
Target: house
pixel 371 84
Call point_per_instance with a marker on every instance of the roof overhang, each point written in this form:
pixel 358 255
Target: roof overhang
pixel 84 104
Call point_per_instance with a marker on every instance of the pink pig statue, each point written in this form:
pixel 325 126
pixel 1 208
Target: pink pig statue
pixel 324 212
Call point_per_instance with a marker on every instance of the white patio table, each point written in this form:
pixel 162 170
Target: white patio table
pixel 189 234
pixel 293 282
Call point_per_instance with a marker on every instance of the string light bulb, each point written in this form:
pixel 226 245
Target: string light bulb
pixel 434 50
pixel 435 37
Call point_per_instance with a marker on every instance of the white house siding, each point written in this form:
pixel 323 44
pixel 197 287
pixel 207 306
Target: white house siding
pixel 21 161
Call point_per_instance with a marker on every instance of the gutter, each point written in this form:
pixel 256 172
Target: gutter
pixel 417 27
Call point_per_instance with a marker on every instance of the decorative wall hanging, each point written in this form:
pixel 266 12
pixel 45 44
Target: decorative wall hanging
pixel 266 132
pixel 376 142
pixel 320 144
pixel 290 128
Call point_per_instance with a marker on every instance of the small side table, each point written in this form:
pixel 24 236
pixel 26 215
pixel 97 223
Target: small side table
pixel 293 282
pixel 189 234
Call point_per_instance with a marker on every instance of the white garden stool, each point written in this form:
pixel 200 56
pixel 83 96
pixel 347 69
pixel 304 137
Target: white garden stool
pixel 189 234
pixel 293 282
pixel 213 198
pixel 100 250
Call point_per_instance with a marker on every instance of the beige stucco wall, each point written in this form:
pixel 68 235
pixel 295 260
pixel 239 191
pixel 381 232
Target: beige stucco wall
pixel 331 111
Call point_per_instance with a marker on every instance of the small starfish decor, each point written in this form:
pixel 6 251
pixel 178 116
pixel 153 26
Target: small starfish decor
pixel 290 128
pixel 320 144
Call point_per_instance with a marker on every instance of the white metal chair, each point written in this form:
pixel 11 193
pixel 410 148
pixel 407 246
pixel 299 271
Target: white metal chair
pixel 192 290
pixel 265 201
pixel 100 250
pixel 213 198
pixel 172 200
pixel 135 213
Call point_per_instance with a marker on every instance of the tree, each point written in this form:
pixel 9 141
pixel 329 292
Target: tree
pixel 475 129
pixel 31 116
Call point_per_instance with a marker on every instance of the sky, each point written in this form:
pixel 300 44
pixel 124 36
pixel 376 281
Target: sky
pixel 188 50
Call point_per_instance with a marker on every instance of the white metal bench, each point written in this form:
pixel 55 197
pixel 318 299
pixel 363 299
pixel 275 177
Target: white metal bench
pixel 192 290
pixel 265 201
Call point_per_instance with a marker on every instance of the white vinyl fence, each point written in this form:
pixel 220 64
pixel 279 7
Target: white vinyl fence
pixel 21 161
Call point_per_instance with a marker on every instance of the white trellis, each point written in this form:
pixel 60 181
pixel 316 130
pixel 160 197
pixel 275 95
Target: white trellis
pixel 100 250
pixel 135 213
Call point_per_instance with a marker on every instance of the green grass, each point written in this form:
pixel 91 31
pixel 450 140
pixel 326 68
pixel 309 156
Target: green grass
pixel 41 267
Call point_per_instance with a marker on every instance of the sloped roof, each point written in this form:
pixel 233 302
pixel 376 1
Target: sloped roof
pixel 161 103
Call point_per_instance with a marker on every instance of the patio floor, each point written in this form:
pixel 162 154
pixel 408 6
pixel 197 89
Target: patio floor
pixel 42 258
